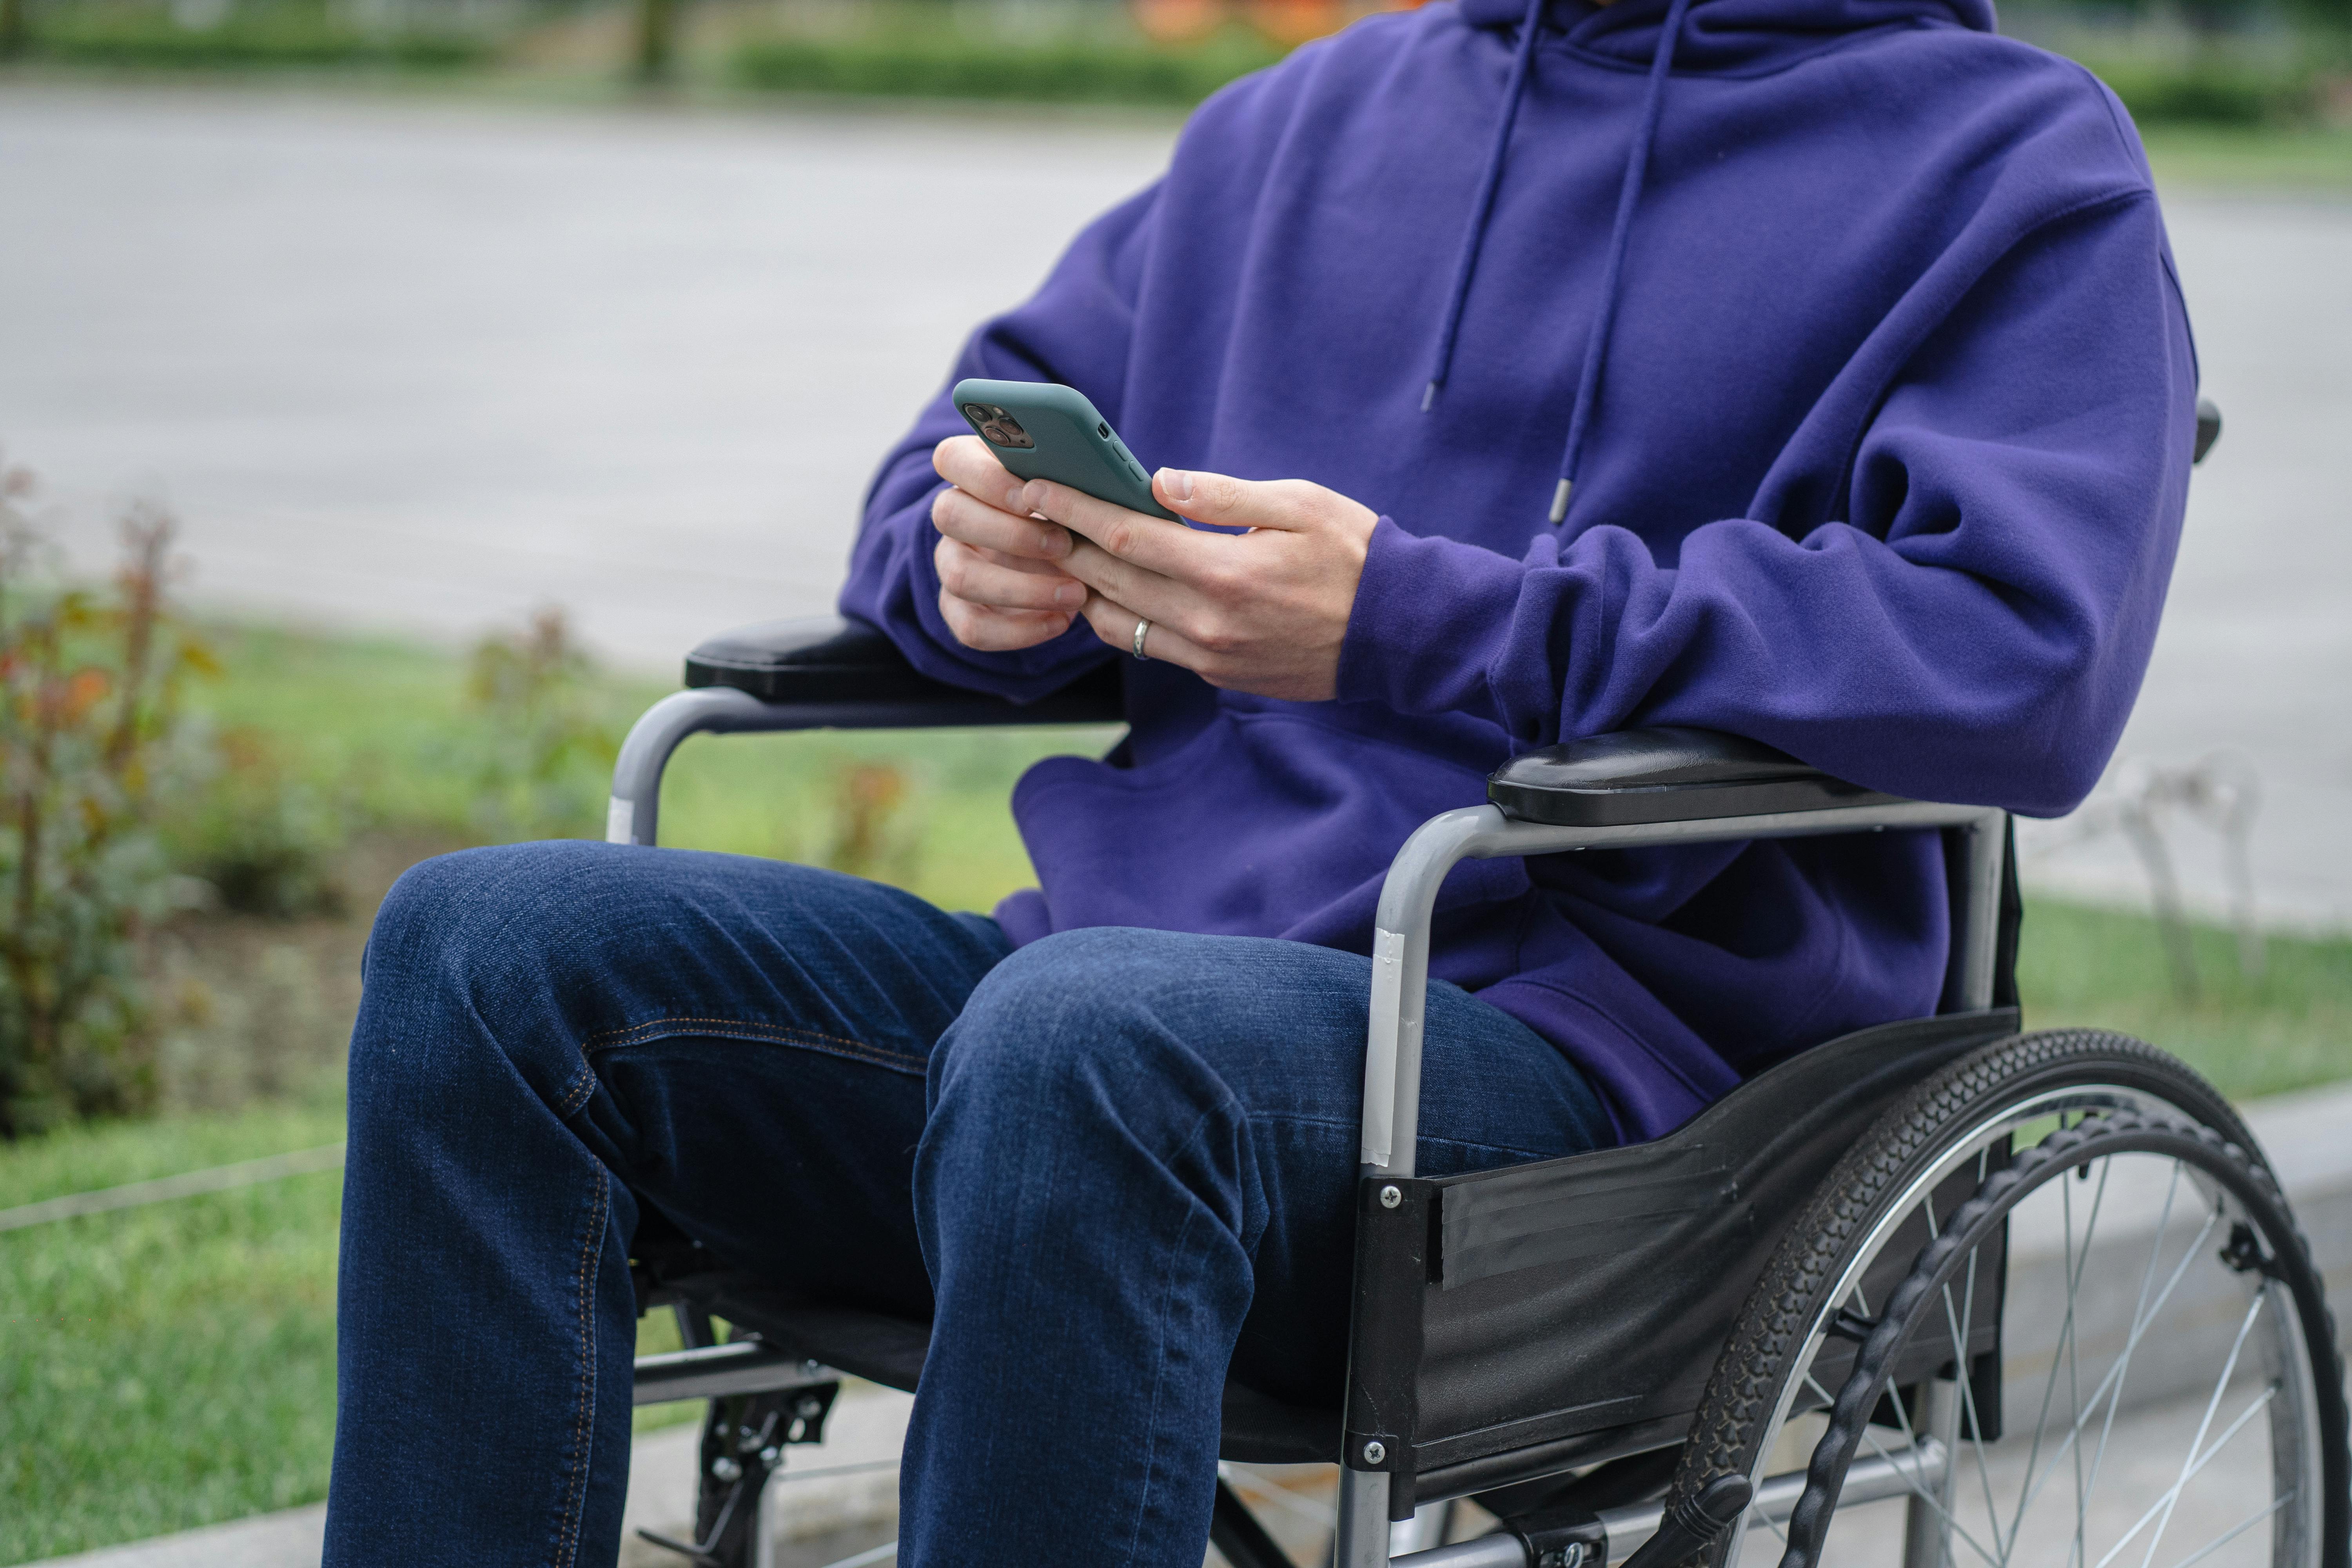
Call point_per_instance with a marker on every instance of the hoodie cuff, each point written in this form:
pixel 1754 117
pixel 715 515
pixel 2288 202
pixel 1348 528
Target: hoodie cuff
pixel 1430 618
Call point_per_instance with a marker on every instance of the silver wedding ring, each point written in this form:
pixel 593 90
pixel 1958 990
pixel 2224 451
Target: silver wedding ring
pixel 1141 627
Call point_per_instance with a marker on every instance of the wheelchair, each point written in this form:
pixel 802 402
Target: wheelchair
pixel 1939 1291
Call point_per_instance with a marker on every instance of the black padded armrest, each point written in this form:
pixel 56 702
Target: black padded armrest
pixel 828 660
pixel 1663 775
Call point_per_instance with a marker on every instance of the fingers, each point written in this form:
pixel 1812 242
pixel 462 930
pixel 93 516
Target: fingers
pixel 961 515
pixel 1154 543
pixel 1147 593
pixel 1114 624
pixel 987 630
pixel 1229 502
pixel 1003 582
pixel 966 463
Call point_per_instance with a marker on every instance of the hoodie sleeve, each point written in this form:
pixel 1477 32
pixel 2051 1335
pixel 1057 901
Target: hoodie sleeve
pixel 1975 630
pixel 1076 331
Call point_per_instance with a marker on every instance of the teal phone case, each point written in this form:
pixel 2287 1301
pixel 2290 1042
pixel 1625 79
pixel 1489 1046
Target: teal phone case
pixel 1043 430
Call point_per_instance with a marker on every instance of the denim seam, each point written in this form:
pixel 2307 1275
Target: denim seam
pixel 1160 1372
pixel 576 1093
pixel 567 1541
pixel 736 1028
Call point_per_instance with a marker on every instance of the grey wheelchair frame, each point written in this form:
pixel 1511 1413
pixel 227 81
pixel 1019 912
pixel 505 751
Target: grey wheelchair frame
pixel 1508 1327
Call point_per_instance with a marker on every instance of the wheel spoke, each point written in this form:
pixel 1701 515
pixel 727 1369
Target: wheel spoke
pixel 1910 1475
pixel 2073 1272
pixel 2165 1502
pixel 2080 1551
pixel 2142 1315
pixel 2191 1465
pixel 2196 1461
pixel 2234 1531
pixel 2110 1387
pixel 1958 1325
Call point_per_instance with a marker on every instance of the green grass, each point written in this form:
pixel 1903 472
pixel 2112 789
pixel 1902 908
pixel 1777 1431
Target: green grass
pixel 167 1366
pixel 2288 1028
pixel 382 727
pixel 172 1366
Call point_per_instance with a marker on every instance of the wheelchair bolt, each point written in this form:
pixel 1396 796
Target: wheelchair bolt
pixel 769 1454
pixel 1390 1198
pixel 1376 1451
pixel 725 1468
pixel 808 1409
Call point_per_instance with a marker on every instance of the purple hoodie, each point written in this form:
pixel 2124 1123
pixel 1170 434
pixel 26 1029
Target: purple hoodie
pixel 1880 438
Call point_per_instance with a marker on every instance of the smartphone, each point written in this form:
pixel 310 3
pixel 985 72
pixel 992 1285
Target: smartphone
pixel 1043 430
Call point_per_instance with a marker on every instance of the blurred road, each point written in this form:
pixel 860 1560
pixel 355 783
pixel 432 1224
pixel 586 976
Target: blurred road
pixel 423 366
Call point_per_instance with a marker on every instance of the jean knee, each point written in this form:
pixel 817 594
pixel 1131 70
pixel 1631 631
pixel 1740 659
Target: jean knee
pixel 458 941
pixel 1077 1016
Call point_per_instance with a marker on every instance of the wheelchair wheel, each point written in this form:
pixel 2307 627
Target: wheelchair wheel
pixel 2052 1310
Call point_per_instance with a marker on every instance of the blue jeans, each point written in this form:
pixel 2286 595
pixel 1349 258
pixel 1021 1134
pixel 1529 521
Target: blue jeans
pixel 1108 1166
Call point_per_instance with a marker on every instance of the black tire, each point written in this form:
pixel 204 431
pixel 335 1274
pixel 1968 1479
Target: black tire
pixel 1782 1338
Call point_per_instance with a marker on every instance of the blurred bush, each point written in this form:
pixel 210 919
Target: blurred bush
pixel 870 837
pixel 932 64
pixel 273 36
pixel 2209 90
pixel 542 754
pixel 260 837
pixel 89 735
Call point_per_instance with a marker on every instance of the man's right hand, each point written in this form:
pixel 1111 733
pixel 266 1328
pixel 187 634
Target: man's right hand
pixel 998 588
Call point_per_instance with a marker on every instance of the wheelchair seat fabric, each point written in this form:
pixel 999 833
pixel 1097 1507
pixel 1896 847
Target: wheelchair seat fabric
pixel 1515 1374
pixel 1258 1430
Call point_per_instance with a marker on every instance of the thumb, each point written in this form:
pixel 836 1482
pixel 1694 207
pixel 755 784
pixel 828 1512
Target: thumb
pixel 1220 500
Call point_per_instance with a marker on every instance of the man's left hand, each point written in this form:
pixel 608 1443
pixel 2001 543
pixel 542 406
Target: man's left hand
pixel 1263 612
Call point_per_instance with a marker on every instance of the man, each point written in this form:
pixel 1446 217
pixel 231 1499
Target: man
pixel 1812 370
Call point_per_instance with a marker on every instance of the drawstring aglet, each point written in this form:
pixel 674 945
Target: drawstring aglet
pixel 1560 499
pixel 1428 396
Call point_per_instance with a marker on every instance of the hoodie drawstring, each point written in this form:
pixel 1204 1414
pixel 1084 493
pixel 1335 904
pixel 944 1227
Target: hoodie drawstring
pixel 1464 268
pixel 1637 164
pixel 1629 196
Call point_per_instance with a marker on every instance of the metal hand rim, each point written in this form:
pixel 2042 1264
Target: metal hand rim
pixel 1939 1263
pixel 2095 1098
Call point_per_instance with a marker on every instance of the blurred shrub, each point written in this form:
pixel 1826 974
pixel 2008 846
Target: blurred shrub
pixel 261 839
pixel 545 752
pixel 869 836
pixel 939 64
pixel 89 721
pixel 275 38
pixel 2210 90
